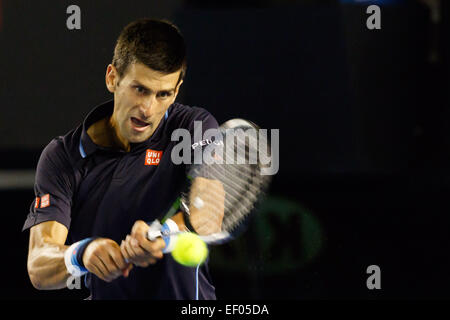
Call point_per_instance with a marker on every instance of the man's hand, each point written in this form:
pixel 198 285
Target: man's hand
pixel 103 258
pixel 137 249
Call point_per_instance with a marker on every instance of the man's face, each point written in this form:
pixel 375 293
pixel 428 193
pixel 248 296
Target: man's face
pixel 141 98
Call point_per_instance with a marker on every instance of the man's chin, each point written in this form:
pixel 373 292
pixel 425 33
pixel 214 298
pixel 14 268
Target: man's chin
pixel 139 137
pixel 138 140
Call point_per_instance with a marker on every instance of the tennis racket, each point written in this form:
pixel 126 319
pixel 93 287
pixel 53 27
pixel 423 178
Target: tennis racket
pixel 223 191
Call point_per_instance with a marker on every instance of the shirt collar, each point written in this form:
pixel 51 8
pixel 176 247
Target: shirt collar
pixel 87 146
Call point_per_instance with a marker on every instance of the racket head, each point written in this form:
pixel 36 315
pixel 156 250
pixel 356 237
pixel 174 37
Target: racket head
pixel 223 196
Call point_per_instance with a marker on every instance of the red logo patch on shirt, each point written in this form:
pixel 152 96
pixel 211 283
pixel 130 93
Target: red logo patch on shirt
pixel 152 157
pixel 36 202
pixel 45 201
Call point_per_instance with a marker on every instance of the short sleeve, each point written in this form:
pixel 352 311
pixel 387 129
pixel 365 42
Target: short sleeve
pixel 52 187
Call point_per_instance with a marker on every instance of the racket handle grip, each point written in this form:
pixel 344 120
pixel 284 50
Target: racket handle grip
pixel 168 232
pixel 154 230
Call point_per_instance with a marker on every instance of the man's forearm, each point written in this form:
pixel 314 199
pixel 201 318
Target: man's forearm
pixel 46 267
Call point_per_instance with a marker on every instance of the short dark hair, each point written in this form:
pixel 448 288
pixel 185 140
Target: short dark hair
pixel 158 44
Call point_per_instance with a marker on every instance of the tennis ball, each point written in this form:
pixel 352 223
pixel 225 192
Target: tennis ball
pixel 190 250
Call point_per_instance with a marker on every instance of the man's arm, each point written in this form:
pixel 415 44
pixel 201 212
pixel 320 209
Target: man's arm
pixel 46 266
pixel 207 205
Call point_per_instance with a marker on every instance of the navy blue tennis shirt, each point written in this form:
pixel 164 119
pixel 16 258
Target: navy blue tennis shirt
pixel 102 192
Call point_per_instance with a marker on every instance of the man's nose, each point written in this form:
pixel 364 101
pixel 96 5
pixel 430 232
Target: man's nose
pixel 146 106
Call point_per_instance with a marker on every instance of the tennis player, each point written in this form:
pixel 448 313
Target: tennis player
pixel 98 186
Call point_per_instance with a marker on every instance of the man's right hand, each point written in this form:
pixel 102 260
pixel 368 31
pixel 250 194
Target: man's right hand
pixel 103 258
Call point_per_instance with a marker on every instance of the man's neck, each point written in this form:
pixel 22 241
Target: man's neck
pixel 105 134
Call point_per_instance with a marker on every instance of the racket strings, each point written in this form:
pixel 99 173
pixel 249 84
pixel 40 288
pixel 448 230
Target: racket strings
pixel 242 185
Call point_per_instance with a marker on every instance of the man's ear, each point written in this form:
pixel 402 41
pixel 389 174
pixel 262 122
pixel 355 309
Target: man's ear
pixel 178 87
pixel 111 78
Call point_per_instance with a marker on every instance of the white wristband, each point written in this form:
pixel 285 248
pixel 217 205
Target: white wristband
pixel 71 262
pixel 168 231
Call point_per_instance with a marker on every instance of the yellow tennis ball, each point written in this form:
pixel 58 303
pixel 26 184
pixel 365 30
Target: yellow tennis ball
pixel 190 250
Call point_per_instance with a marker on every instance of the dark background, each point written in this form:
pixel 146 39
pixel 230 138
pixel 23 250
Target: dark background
pixel 364 133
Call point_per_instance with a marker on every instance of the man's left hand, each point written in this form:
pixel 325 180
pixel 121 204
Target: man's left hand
pixel 140 251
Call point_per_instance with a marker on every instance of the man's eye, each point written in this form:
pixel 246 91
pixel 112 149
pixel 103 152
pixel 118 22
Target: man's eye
pixel 164 94
pixel 140 90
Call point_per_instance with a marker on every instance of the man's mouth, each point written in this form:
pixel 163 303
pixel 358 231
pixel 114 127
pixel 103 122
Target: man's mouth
pixel 138 124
